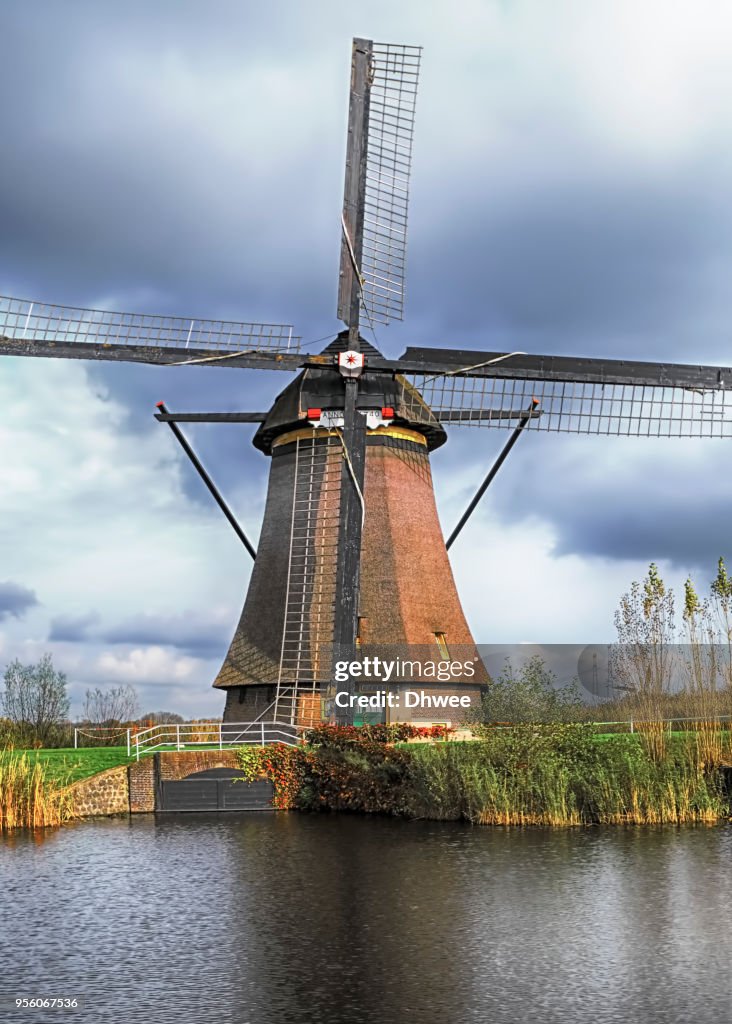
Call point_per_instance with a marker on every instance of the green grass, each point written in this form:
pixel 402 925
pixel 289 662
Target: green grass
pixel 69 765
pixel 65 765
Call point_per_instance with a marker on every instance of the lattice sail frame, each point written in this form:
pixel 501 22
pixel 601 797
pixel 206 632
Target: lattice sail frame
pixel 392 101
pixel 24 320
pixel 611 408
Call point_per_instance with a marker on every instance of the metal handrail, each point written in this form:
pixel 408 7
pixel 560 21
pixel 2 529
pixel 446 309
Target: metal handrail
pixel 632 723
pixel 223 734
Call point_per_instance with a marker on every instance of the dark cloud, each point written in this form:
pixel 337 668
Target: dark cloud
pixel 200 635
pixel 15 600
pixel 621 267
pixel 72 628
pixel 617 498
pixel 167 160
pixel 171 186
pixel 193 633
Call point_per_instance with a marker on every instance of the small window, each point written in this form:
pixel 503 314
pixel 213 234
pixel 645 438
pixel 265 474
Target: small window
pixel 442 644
pixel 359 631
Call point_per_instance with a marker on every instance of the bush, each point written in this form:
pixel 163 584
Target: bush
pixel 524 775
pixel 29 798
pixel 342 736
pixel 529 695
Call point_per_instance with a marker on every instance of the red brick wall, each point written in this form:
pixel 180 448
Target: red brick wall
pixel 174 764
pixel 142 785
pixel 408 592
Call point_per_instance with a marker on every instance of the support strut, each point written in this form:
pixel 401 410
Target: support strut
pixel 207 480
pixel 350 535
pixel 493 470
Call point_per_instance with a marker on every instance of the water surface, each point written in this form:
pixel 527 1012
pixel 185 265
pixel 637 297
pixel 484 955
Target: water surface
pixel 332 918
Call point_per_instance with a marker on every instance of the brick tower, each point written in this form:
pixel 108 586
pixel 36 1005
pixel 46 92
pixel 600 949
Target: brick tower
pixel 280 658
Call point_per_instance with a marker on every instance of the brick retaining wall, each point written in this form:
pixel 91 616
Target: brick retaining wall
pixel 142 785
pixel 177 764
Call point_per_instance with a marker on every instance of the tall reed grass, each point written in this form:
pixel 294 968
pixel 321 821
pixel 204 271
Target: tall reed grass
pixel 565 776
pixel 29 798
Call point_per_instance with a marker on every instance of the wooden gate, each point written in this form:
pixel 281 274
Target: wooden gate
pixel 216 789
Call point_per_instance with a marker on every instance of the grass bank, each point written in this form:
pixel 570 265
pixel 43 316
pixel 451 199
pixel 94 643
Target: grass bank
pixel 69 765
pixel 555 775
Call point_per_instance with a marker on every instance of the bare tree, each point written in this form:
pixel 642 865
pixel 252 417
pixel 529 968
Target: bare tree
pixel 111 707
pixel 161 718
pixel 35 699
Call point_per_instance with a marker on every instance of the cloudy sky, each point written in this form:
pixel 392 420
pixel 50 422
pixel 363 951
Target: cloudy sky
pixel 571 194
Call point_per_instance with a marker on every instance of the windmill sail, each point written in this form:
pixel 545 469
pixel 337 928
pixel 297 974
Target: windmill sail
pixel 39 328
pixel 388 167
pixel 586 396
pixel 378 166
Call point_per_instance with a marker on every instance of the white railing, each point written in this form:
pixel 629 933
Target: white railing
pixel 632 724
pixel 103 733
pixel 188 735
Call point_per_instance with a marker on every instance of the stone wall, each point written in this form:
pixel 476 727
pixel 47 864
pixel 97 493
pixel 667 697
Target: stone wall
pixel 132 788
pixel 105 793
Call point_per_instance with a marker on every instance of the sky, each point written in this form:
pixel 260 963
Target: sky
pixel 570 194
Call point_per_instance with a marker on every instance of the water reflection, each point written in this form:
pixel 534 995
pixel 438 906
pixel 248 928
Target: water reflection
pixel 290 918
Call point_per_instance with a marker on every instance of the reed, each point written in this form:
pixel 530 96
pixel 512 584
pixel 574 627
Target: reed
pixel 562 776
pixel 29 798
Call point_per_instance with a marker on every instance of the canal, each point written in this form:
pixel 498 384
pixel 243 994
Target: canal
pixel 331 918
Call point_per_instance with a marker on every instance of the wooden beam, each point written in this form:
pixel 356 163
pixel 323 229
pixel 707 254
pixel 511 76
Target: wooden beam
pixel 254 360
pixel 211 417
pixel 349 291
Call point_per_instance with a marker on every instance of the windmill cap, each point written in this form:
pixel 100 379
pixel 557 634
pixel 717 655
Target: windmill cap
pixel 320 389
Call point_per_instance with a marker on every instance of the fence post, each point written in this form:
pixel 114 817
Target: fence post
pixel 128 742
pixel 137 745
pixel 262 732
pixel 631 725
pixel 76 738
pixel 221 736
pixel 177 735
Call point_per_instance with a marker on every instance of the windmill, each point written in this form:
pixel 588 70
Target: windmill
pixel 351 553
